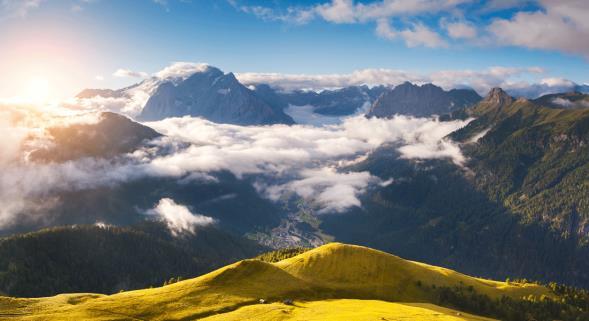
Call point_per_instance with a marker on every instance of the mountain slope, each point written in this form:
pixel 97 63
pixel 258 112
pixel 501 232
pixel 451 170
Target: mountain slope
pixel 570 100
pixel 106 259
pixel 112 135
pixel 421 101
pixel 534 160
pixel 345 309
pixel 517 208
pixel 213 95
pixel 333 271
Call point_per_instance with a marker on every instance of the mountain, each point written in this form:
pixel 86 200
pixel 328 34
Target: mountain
pixel 213 95
pixel 515 208
pixel 533 159
pixel 106 259
pixel 112 134
pixel 571 100
pixel 421 101
pixel 333 282
pixel 584 88
pixel 338 102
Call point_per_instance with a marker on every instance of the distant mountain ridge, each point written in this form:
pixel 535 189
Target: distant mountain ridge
pixel 570 100
pixel 421 101
pixel 336 102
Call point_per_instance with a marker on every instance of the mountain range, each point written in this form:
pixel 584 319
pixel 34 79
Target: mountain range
pixel 220 97
pixel 515 207
pixel 339 102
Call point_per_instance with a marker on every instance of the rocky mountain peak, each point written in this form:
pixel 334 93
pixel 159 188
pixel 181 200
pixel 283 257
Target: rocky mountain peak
pixel 499 97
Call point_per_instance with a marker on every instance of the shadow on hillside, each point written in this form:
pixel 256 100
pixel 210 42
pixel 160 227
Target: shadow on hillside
pixel 433 214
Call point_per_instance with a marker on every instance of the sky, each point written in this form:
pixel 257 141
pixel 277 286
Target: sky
pixel 51 49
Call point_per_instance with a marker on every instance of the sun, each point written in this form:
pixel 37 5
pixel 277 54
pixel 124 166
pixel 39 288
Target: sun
pixel 37 90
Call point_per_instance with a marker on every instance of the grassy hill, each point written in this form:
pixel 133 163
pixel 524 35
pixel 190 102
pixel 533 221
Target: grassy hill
pixel 332 282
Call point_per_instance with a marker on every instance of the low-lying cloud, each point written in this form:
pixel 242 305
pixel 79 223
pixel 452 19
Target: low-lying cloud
pixel 301 159
pixel 178 218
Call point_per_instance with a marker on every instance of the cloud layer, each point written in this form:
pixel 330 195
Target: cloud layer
pixel 305 160
pixel 509 78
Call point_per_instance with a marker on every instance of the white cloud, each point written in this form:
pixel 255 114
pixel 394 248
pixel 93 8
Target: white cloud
pixel 99 77
pixel 417 35
pixel 480 80
pixel 420 35
pixel 131 106
pixel 306 157
pixel 332 190
pixel 338 11
pixel 556 25
pixel 461 30
pixel 562 102
pixel 292 15
pixel 126 73
pixel 349 12
pixel 569 104
pixel 563 26
pixel 285 158
pixel 178 217
pixel 544 87
pixel 181 70
pixel 17 8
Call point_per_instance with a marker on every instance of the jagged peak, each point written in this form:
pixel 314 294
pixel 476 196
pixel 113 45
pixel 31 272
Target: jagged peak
pixel 498 96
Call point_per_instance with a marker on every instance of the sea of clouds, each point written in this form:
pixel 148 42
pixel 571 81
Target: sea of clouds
pixel 305 160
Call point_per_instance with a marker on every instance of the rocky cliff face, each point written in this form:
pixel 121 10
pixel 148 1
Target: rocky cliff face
pixel 421 101
pixel 213 95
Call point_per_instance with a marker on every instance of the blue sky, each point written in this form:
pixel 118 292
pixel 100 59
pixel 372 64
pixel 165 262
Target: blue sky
pixel 75 44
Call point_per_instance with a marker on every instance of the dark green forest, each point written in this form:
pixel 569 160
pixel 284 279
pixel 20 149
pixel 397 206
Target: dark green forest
pixel 110 259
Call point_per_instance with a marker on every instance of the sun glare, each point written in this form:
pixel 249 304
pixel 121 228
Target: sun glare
pixel 38 90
